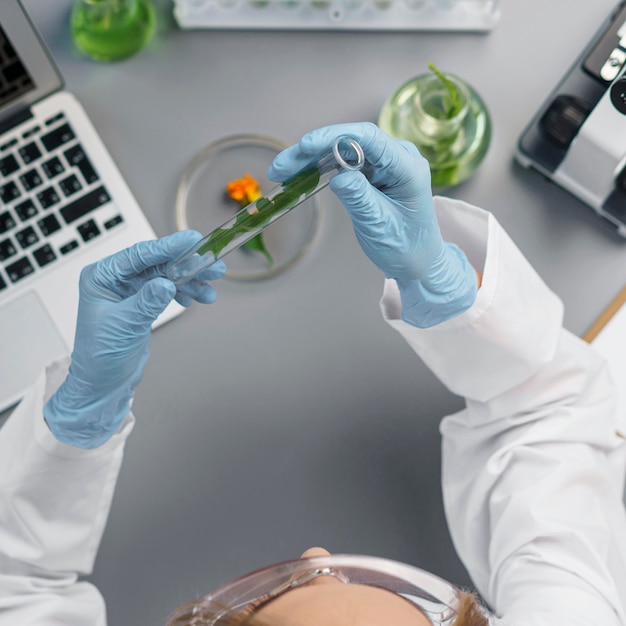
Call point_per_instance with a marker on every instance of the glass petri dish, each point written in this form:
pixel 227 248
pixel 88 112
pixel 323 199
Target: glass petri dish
pixel 202 204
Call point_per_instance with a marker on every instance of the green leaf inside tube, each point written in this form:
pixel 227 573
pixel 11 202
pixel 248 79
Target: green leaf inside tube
pixel 260 213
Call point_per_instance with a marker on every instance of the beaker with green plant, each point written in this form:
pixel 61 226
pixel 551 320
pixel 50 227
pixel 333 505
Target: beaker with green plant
pixel 445 118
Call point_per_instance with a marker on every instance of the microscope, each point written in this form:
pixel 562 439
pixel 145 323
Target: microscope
pixel 578 137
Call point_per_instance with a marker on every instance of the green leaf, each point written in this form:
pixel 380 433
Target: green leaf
pixel 303 182
pixel 256 244
pixel 293 189
pixel 218 239
pixel 455 105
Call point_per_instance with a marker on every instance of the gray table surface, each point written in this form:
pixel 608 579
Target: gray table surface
pixel 288 414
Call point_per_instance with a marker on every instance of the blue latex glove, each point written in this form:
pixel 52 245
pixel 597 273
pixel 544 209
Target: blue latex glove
pixel 120 297
pixel 391 206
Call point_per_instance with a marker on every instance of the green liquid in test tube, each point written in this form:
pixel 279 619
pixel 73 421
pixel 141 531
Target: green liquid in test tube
pixel 346 154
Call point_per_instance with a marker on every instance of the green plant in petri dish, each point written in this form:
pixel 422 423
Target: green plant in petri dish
pixel 111 30
pixel 245 191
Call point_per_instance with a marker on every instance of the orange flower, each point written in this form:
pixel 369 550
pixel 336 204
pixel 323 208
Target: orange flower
pixel 245 189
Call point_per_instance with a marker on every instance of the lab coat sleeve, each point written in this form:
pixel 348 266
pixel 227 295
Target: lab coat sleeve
pixel 533 467
pixel 54 503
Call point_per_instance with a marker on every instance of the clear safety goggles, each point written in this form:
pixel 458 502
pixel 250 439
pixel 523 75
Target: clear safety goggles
pixel 437 599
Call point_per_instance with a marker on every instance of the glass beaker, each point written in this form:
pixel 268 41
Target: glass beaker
pixel 110 30
pixel 346 154
pixel 453 140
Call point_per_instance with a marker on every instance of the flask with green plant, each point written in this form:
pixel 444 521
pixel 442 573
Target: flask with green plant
pixel 445 118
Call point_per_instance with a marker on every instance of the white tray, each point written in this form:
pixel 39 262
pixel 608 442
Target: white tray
pixel 407 15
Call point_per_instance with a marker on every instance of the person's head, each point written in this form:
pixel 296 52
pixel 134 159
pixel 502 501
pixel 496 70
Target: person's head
pixel 337 590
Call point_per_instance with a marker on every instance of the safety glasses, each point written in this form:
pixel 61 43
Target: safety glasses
pixel 435 598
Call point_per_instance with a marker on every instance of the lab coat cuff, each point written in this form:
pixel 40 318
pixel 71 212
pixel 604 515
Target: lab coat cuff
pixel 509 332
pixel 47 384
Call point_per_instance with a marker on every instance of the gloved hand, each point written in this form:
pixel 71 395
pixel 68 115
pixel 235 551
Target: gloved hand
pixel 120 297
pixel 391 206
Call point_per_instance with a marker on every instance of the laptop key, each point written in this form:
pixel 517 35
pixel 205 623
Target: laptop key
pixel 88 230
pixel 87 203
pixel 70 185
pixel 114 221
pixel 44 255
pixel 76 156
pixel 29 133
pixel 69 246
pixel 57 137
pixel 53 167
pixel 6 222
pixel 27 237
pixel 25 210
pixel 9 192
pixel 9 144
pixel 2 283
pixel 8 165
pixel 48 197
pixel 7 249
pixel 48 225
pixel 31 179
pixel 20 269
pixel 55 118
pixel 30 152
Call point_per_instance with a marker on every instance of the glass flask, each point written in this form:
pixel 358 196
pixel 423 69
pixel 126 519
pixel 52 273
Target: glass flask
pixel 251 220
pixel 454 145
pixel 110 30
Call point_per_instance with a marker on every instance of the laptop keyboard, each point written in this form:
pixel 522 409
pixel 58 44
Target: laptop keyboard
pixel 50 194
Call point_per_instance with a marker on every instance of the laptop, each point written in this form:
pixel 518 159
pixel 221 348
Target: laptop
pixel 63 205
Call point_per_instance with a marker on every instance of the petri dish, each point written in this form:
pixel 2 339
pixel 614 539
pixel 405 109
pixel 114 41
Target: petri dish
pixel 202 204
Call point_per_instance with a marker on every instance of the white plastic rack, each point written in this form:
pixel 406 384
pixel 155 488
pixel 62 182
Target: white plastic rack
pixel 406 15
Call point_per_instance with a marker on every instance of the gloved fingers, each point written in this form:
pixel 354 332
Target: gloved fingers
pixel 154 296
pixel 377 220
pixel 381 151
pixel 120 275
pixel 143 257
pixel 198 290
pixel 315 144
pixel 401 170
pixel 183 299
pixel 359 197
pixel 394 166
pixel 203 274
pixel 376 144
pixel 142 308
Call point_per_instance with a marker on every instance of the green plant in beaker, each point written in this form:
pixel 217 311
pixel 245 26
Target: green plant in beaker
pixel 445 118
pixel 110 30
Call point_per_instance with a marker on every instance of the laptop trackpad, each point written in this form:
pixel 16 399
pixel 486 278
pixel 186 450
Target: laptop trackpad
pixel 29 341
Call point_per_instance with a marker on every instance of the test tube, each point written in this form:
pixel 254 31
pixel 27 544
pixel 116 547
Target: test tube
pixel 346 154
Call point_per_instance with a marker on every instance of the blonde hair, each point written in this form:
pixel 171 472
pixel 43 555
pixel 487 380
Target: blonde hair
pixel 470 611
pixel 200 613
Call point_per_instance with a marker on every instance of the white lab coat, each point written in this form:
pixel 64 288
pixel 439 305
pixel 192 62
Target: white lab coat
pixel 533 470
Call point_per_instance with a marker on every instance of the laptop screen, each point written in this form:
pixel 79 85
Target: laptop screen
pixel 27 72
pixel 14 78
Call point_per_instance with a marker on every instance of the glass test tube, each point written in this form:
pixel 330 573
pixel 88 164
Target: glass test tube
pixel 346 154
